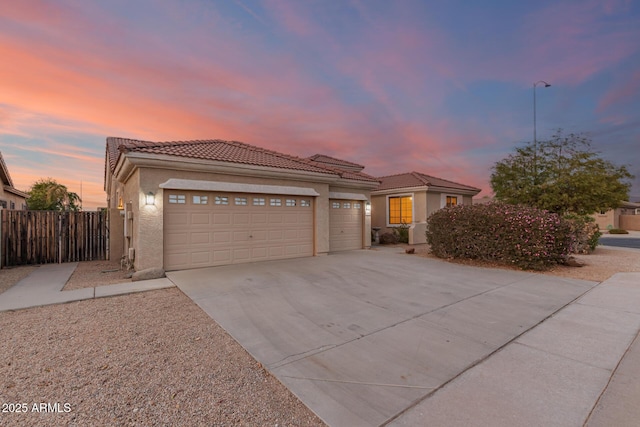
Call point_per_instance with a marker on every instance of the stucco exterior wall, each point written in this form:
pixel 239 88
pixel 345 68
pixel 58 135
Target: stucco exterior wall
pixel 19 202
pixel 378 212
pixel 607 220
pixel 433 203
pixel 630 222
pixel 116 234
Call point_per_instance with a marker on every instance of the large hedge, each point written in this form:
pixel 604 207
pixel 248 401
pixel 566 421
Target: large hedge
pixel 526 237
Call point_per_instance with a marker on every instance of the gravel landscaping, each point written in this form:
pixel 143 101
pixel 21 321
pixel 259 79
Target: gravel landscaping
pixel 151 358
pixel 598 265
pixel 155 358
pixel 96 273
pixel 12 275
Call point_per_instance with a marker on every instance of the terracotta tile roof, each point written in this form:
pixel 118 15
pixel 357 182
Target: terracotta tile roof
pixel 323 158
pixel 417 179
pixel 225 151
pixel 5 178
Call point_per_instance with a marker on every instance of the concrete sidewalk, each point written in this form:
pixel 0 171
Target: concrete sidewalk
pixel 579 366
pixel 44 287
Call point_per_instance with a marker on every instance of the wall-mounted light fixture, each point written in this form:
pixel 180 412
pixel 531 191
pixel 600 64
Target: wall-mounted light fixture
pixel 150 199
pixel 120 204
pixel 367 208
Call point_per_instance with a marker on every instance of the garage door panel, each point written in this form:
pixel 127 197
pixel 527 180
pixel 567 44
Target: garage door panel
pixel 260 218
pixel 177 219
pixel 199 238
pixel 259 236
pixel 177 238
pixel 221 219
pixel 259 253
pixel 241 255
pixel 200 257
pixel 221 237
pixel 275 235
pixel 248 228
pixel 222 256
pixel 241 218
pixel 275 218
pixel 200 218
pixel 276 251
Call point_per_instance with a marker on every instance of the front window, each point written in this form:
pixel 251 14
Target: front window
pixel 400 210
pixel 452 201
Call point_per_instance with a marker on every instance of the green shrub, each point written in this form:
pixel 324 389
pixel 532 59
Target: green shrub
pixel 515 235
pixel 402 232
pixel 618 231
pixel 585 231
pixel 388 238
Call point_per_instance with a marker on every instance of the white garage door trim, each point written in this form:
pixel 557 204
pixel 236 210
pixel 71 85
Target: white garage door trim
pixel 232 187
pixel 347 196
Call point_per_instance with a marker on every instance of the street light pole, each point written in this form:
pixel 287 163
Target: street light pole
pixel 535 141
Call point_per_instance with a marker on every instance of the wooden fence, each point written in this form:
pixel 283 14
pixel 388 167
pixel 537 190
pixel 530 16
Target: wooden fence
pixel 41 237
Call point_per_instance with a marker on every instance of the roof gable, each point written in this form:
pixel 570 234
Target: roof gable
pixel 336 163
pixel 417 179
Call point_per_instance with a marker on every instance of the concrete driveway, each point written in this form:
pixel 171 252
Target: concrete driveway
pixel 362 336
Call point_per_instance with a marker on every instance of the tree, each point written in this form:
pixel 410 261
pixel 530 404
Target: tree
pixel 563 175
pixel 49 195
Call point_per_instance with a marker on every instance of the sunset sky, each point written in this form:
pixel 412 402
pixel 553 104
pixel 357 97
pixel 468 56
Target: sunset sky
pixel 439 87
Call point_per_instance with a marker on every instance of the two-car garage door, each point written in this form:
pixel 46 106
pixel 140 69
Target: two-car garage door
pixel 204 229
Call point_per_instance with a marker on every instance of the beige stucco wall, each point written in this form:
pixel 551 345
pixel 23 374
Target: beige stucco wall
pixel 378 212
pixel 630 222
pixel 148 220
pixel 19 202
pixel 116 234
pixel 433 203
pixel 607 220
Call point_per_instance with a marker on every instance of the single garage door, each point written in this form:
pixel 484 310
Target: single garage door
pixel 345 225
pixel 203 229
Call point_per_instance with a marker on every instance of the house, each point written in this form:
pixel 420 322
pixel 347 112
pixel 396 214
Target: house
pixel 409 198
pixel 191 204
pixel 627 217
pixel 10 197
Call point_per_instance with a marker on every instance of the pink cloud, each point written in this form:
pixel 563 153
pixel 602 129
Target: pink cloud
pixel 624 91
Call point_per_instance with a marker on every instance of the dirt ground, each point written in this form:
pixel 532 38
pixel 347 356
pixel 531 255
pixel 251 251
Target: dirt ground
pixel 597 266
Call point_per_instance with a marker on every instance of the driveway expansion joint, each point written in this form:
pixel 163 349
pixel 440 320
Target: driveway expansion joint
pixel 359 382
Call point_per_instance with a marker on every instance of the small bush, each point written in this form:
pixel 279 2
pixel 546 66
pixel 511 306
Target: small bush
pixel 618 231
pixel 388 238
pixel 586 233
pixel 402 233
pixel 515 235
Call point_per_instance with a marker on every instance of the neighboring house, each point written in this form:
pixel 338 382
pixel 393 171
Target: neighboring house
pixel 627 217
pixel 410 198
pixel 205 203
pixel 10 198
